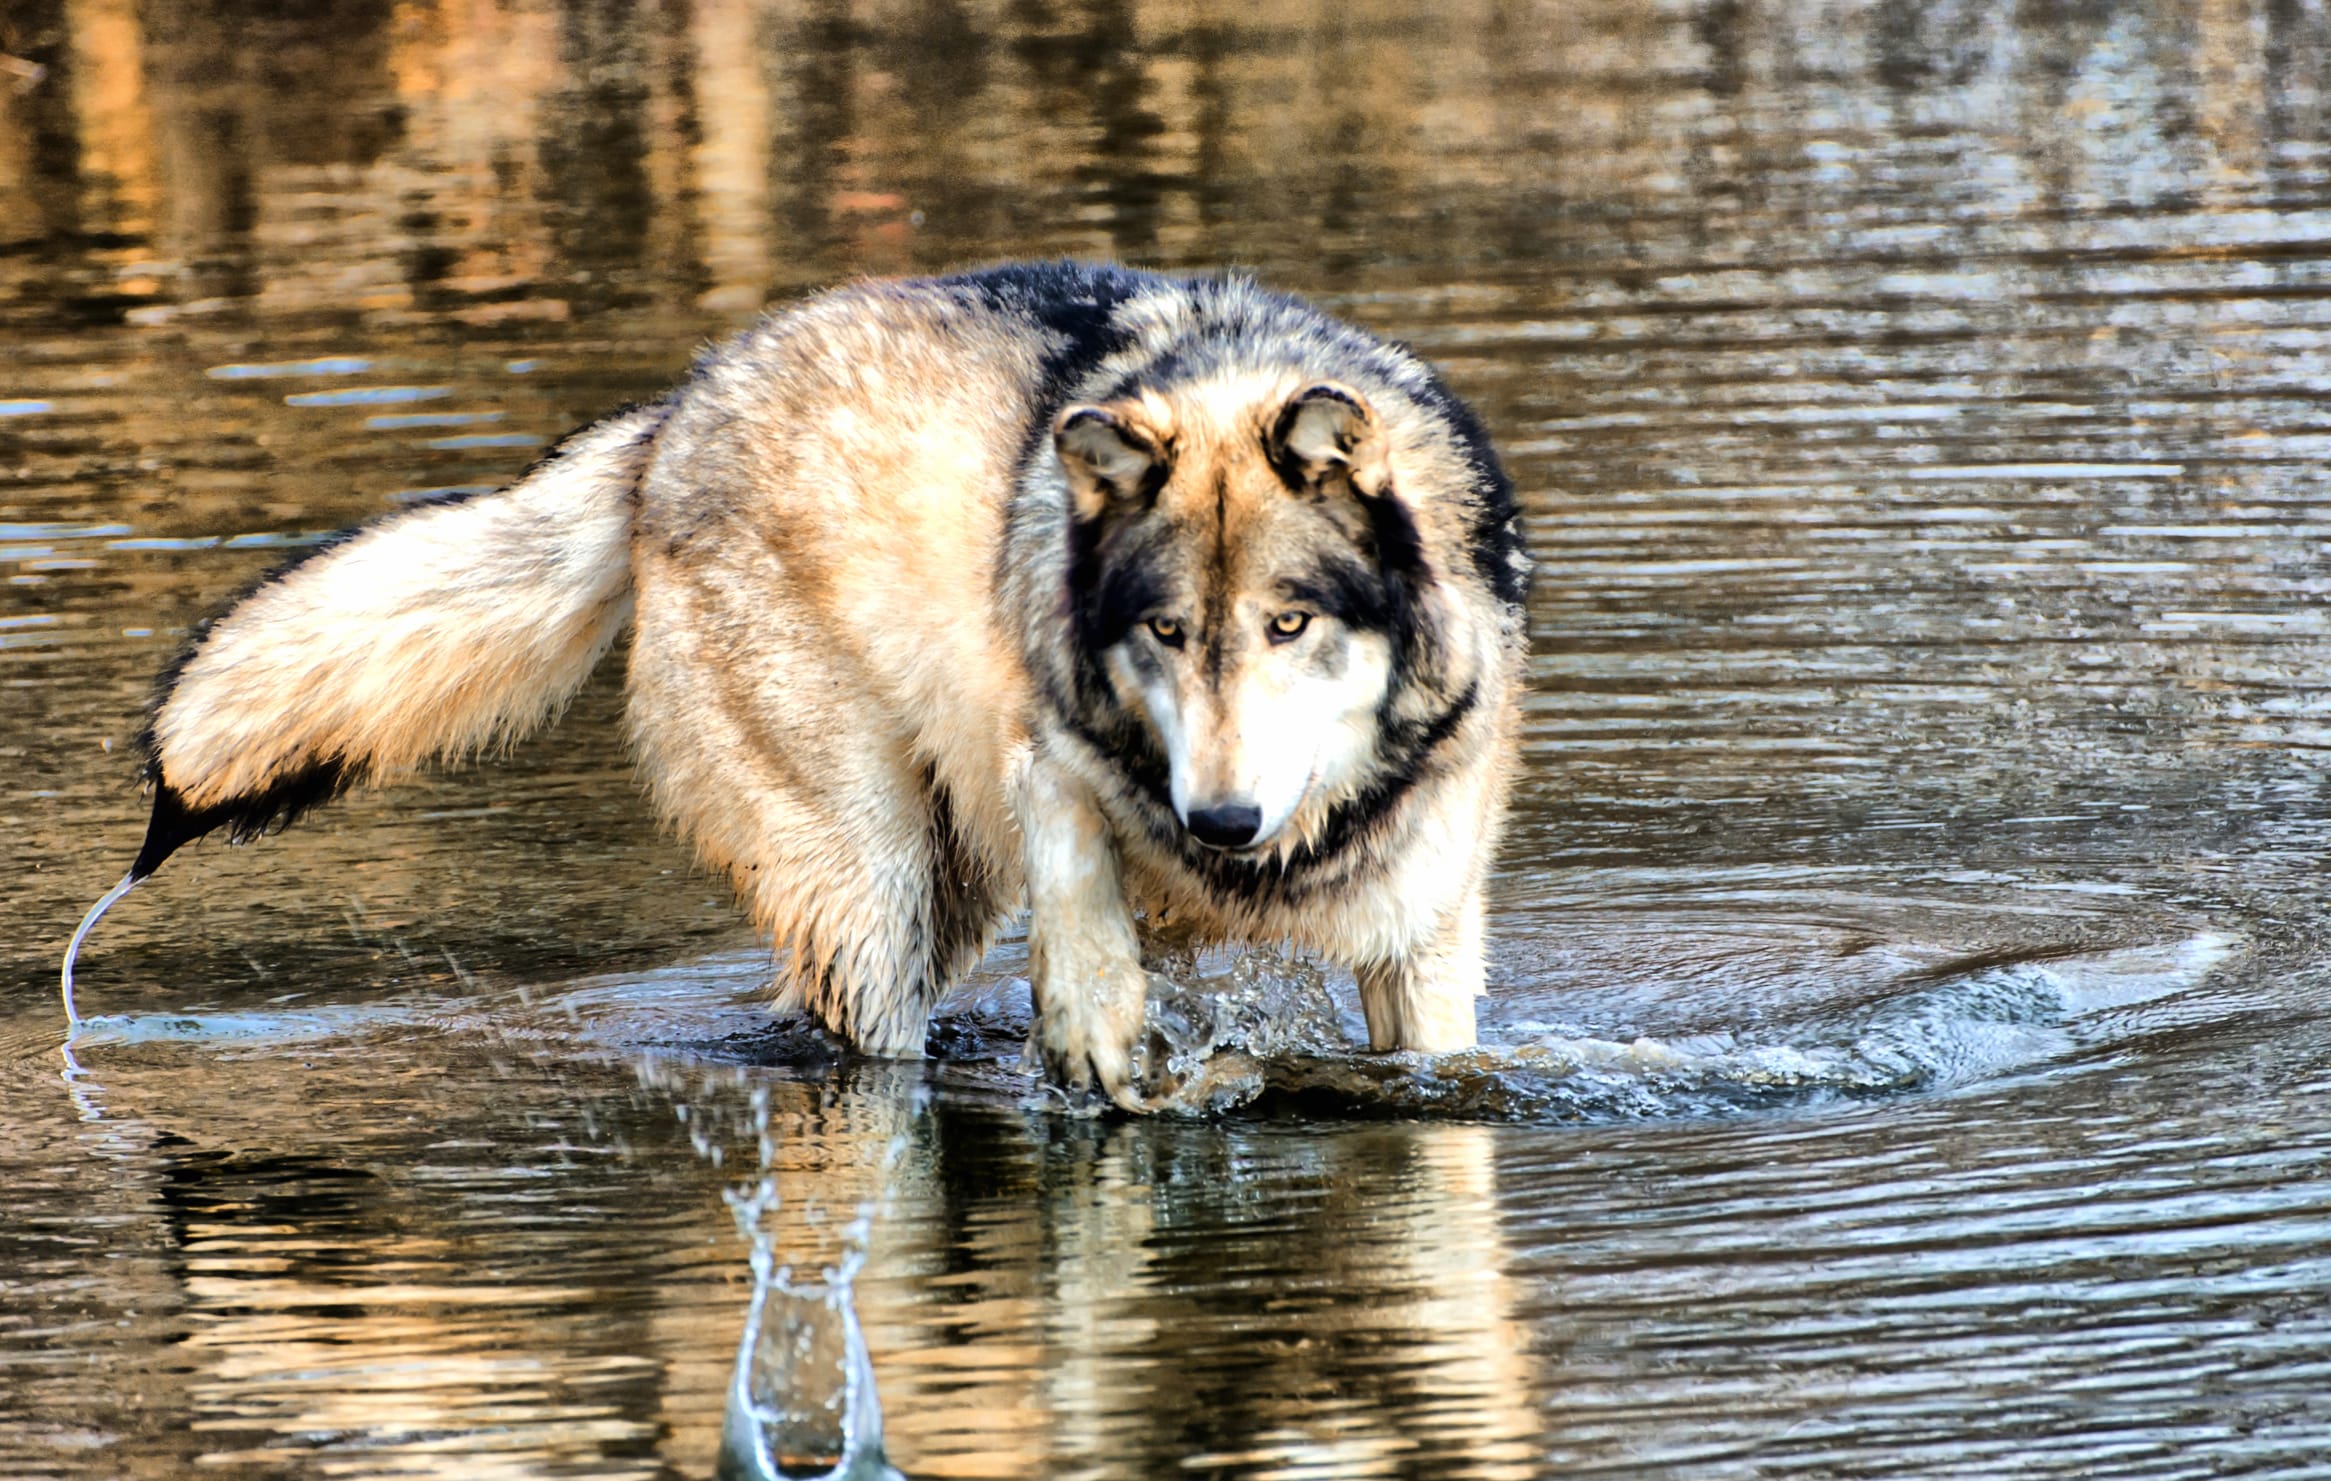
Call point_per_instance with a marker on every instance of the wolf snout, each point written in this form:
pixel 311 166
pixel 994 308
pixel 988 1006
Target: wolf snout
pixel 1229 825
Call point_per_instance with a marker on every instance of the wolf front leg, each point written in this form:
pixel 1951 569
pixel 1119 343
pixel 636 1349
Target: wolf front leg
pixel 1084 963
pixel 1424 1000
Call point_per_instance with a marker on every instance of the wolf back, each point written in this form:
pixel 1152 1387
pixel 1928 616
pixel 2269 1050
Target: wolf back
pixel 1102 592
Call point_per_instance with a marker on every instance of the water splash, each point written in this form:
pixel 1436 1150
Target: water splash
pixel 1209 1037
pixel 801 1398
pixel 73 1020
pixel 1265 1035
pixel 801 1401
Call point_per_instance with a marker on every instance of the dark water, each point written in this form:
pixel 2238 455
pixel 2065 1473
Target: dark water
pixel 1909 1051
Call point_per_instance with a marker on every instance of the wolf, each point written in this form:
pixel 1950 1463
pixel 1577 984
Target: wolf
pixel 1112 595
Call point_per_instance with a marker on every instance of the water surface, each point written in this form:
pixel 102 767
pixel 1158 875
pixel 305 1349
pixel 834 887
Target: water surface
pixel 1906 1054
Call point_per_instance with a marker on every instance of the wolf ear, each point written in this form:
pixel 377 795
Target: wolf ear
pixel 1110 461
pixel 1326 437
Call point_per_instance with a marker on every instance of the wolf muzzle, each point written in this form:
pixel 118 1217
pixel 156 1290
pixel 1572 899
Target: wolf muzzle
pixel 1230 826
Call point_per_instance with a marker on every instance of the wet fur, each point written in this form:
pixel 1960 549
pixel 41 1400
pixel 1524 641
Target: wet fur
pixel 888 671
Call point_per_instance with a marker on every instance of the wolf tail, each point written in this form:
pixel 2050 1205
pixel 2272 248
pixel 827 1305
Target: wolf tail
pixel 434 633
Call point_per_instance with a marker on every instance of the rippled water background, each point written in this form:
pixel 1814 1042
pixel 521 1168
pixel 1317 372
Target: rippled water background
pixel 1908 1050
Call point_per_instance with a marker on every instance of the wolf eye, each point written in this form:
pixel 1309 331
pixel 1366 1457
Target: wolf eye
pixel 1167 630
pixel 1288 626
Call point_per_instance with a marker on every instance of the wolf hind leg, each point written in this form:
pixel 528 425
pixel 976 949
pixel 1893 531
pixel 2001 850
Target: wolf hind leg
pixel 875 908
pixel 1424 1000
pixel 842 843
pixel 891 930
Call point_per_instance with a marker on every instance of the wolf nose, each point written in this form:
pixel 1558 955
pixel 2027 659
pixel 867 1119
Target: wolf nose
pixel 1231 826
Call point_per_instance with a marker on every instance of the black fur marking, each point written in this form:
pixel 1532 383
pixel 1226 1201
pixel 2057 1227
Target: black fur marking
pixel 1500 553
pixel 1075 303
pixel 1381 590
pixel 174 824
pixel 1111 595
pixel 1136 758
pixel 1110 589
pixel 962 895
pixel 1399 547
pixel 1351 592
pixel 1406 575
pixel 1163 371
pixel 1128 746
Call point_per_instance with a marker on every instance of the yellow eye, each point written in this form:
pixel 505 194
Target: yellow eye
pixel 1167 630
pixel 1288 626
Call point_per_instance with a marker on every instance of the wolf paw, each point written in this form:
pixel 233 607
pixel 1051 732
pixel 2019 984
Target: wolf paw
pixel 1085 1036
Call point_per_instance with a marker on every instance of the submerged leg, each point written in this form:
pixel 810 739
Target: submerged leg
pixel 1424 1001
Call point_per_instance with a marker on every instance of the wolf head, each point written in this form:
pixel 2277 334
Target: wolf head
pixel 1252 589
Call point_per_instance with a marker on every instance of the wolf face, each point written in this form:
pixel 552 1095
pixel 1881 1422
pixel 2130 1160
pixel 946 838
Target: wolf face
pixel 1247 580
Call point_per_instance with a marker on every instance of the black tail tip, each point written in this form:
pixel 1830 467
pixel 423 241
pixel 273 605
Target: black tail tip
pixel 172 827
pixel 175 825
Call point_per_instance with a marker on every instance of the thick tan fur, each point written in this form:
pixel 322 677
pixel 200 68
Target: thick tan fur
pixel 436 633
pixel 817 662
pixel 850 546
